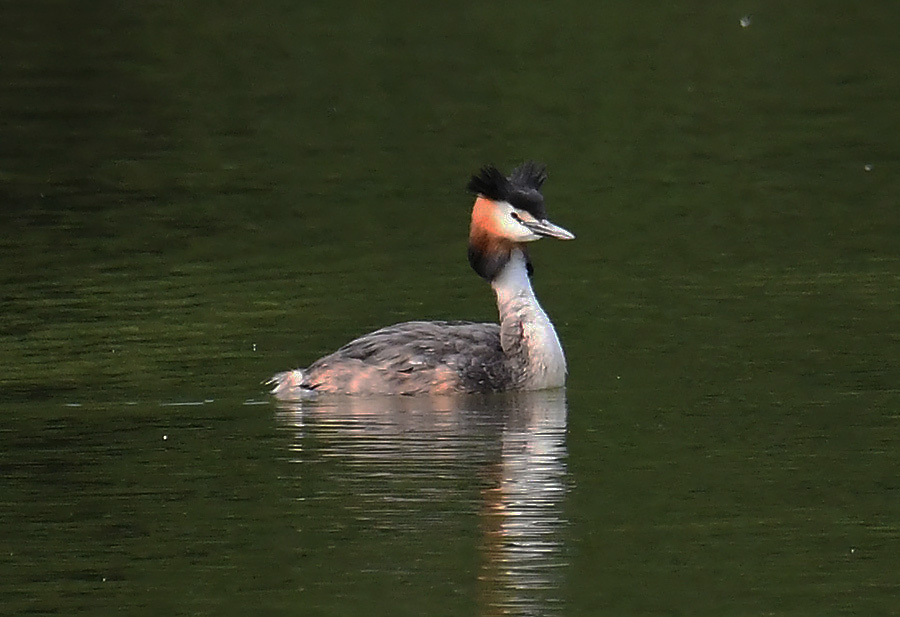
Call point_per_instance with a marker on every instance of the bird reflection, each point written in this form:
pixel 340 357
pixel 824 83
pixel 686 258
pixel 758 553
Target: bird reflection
pixel 512 448
pixel 523 513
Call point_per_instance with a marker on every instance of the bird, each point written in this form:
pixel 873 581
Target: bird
pixel 521 353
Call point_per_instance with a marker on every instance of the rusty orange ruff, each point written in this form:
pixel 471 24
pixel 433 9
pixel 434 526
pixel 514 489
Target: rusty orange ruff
pixel 484 232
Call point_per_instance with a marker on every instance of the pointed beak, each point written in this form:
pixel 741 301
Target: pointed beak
pixel 548 229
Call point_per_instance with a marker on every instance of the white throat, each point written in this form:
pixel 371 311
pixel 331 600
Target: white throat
pixel 526 333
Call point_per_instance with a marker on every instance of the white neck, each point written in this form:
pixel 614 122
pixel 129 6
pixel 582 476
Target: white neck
pixel 526 333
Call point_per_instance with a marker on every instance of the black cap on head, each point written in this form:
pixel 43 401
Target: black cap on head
pixel 522 189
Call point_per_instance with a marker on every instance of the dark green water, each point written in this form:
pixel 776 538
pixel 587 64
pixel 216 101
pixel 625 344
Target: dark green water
pixel 195 195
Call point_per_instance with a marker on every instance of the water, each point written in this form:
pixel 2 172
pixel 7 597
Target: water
pixel 195 197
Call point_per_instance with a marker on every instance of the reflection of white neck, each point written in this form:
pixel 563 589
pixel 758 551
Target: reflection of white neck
pixel 525 557
pixel 526 333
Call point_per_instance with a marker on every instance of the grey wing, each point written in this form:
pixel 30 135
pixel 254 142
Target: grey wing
pixel 421 348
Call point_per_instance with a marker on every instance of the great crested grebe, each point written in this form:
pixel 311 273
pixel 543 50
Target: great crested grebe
pixel 419 357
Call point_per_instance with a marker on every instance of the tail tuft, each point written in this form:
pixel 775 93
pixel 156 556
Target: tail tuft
pixel 288 385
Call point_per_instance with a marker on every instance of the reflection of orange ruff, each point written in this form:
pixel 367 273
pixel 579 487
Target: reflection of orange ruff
pixel 492 590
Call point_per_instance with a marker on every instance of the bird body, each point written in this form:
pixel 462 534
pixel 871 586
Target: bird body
pixel 522 352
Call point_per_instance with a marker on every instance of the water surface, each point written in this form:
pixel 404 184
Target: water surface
pixel 196 196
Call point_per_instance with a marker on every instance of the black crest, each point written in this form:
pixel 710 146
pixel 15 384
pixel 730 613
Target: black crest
pixel 529 175
pixel 522 189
